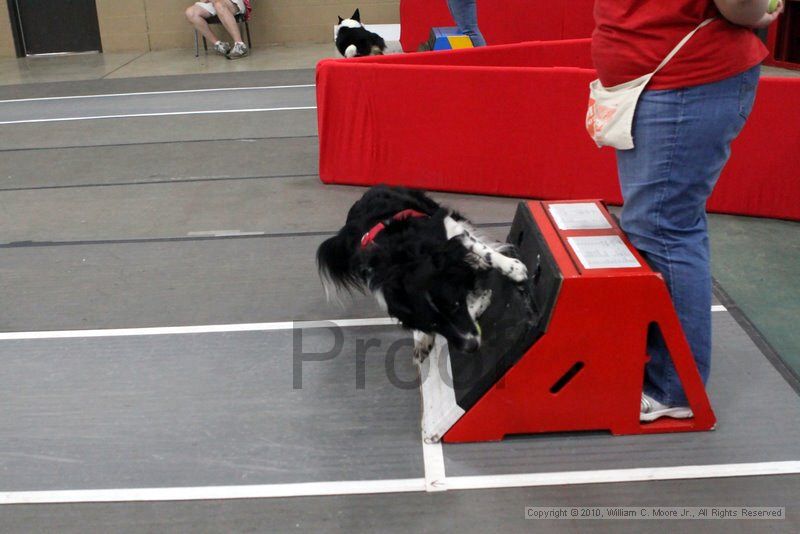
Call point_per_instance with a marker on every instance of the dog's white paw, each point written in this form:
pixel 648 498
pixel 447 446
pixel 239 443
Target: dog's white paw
pixel 515 270
pixel 419 355
pixel 423 345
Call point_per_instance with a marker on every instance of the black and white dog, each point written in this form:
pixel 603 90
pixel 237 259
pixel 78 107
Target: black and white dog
pixel 353 40
pixel 424 263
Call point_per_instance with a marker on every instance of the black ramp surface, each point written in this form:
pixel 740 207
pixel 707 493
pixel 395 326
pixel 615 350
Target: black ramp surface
pixel 168 102
pixel 517 316
pixel 205 409
pixel 758 420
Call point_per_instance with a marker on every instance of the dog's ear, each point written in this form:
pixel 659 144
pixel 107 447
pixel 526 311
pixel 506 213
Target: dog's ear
pixel 340 19
pixel 333 262
pixel 356 16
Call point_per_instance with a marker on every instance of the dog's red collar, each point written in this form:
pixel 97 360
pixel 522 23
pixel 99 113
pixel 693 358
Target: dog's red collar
pixel 370 236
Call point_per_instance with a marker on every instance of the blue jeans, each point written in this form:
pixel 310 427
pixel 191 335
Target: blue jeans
pixel 465 13
pixel 682 141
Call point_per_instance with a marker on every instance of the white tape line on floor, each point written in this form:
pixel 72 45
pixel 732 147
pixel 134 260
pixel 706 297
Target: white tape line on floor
pixel 149 93
pixel 203 329
pixel 569 478
pixel 163 114
pixel 306 489
pixel 200 329
pixel 433 457
pixel 302 489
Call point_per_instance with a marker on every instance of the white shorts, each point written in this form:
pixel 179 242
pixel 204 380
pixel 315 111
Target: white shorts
pixel 208 6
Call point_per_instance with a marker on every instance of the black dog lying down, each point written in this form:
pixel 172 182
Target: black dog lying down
pixel 424 263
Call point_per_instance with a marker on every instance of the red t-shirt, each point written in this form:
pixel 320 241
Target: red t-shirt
pixel 632 37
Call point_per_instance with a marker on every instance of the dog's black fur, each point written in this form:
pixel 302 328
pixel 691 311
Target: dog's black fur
pixel 353 40
pixel 423 279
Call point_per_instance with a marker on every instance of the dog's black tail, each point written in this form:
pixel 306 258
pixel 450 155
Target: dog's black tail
pixel 334 262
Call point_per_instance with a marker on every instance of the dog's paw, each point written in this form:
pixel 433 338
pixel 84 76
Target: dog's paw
pixel 515 270
pixel 423 345
pixel 419 355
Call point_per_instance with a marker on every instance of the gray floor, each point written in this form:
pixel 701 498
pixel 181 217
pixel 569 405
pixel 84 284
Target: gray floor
pixel 175 103
pixel 119 223
pixel 157 83
pixel 463 511
pixel 204 410
pixel 256 408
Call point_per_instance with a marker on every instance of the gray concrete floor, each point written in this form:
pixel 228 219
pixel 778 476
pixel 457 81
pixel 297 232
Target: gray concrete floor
pixel 111 225
pixel 463 511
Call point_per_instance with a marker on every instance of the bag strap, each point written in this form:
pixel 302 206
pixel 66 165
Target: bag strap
pixel 683 42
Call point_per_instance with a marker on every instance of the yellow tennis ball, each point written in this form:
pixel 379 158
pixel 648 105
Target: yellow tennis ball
pixel 773 5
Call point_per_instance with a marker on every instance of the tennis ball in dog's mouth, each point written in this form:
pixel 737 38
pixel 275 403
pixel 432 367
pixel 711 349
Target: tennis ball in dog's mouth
pixel 773 5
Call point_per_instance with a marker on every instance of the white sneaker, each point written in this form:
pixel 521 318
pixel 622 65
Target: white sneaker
pixel 239 50
pixel 222 47
pixel 651 410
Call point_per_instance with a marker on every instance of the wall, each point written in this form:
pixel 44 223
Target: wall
pixel 142 25
pixel 123 25
pixel 6 37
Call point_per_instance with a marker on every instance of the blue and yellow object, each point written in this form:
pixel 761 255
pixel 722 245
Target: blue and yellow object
pixel 449 39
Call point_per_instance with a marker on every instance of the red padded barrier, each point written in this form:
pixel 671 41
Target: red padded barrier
pixel 518 130
pixel 501 21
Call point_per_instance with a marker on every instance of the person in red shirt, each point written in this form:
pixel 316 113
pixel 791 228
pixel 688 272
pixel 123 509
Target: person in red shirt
pixel 684 123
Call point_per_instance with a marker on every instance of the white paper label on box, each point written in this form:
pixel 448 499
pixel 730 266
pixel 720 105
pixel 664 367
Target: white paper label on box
pixel 578 216
pixel 602 252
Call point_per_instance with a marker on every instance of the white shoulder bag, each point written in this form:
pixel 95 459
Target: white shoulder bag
pixel 609 119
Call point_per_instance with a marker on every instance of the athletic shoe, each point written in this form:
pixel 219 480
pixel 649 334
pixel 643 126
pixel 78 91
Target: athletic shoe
pixel 651 410
pixel 239 50
pixel 222 47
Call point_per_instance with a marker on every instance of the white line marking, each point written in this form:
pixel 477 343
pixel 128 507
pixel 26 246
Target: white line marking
pixel 433 457
pixel 718 308
pixel 146 93
pixel 200 329
pixel 221 233
pixel 400 485
pixel 212 328
pixel 568 478
pixel 162 114
pixel 354 487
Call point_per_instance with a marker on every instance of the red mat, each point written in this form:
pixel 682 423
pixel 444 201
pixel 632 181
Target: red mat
pixel 501 21
pixel 509 120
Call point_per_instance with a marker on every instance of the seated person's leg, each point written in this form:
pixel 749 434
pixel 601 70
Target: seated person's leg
pixel 197 15
pixel 226 9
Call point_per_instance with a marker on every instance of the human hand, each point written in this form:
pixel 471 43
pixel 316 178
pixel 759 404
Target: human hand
pixel 769 18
